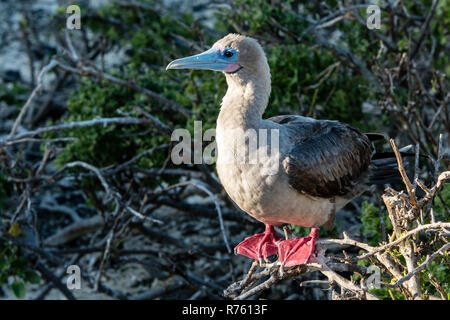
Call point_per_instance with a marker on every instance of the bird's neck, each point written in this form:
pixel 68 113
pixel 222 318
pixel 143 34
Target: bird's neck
pixel 244 103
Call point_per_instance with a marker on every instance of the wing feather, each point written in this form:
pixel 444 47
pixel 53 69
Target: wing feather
pixel 327 158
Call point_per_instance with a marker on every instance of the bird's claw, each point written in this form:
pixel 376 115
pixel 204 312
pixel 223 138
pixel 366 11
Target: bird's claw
pixel 259 246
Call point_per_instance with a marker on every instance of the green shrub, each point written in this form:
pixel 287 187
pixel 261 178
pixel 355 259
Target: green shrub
pixel 14 270
pixel 371 225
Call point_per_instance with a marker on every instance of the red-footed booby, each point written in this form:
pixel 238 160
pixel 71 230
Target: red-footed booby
pixel 322 165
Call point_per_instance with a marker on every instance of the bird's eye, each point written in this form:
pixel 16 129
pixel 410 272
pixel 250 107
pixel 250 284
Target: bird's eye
pixel 228 54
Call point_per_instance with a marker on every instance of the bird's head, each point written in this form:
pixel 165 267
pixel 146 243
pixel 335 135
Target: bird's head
pixel 235 55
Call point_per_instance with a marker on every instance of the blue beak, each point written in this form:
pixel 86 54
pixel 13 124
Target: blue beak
pixel 211 59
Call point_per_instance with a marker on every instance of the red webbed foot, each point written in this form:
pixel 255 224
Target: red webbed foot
pixel 297 251
pixel 259 246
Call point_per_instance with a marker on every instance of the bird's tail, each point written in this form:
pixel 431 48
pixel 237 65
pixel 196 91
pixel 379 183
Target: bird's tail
pixel 384 167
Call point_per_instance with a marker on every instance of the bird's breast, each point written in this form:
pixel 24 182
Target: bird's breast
pixel 256 181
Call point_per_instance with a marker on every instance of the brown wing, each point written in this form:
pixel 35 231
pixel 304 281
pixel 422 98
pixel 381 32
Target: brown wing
pixel 327 158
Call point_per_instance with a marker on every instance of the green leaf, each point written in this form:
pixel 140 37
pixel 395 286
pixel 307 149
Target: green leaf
pixel 3 278
pixel 18 289
pixel 32 277
pixel 15 230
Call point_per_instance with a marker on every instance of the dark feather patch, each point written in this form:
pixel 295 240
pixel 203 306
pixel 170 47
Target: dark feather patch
pixel 328 158
pixel 374 136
